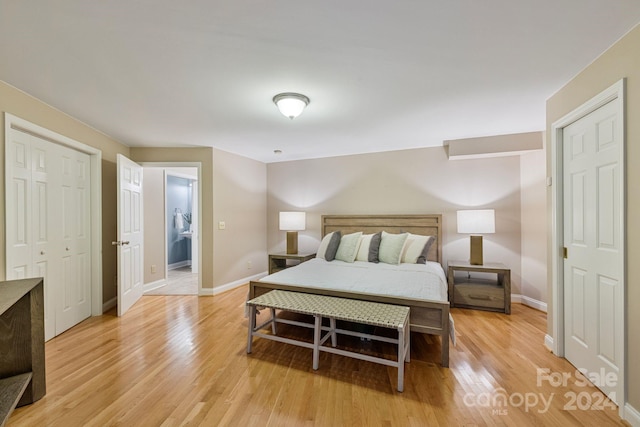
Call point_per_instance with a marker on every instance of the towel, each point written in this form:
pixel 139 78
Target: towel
pixel 178 221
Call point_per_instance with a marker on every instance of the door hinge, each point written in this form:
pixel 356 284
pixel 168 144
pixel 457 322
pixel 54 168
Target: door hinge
pixel 565 253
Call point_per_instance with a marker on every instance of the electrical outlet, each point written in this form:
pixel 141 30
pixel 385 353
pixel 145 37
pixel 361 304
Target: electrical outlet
pixel 154 269
pixel 221 225
pixel 248 265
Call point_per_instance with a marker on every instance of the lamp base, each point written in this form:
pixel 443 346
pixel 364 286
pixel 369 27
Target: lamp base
pixel 475 255
pixel 292 242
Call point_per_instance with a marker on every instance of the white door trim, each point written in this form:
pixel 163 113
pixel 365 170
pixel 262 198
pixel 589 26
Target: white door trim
pixel 614 93
pixel 13 122
pixel 197 165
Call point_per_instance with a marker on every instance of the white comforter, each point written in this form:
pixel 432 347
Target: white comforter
pixel 419 281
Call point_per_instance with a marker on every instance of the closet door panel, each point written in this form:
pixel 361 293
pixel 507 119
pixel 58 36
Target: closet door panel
pixel 18 212
pixel 76 240
pixel 82 254
pixel 45 224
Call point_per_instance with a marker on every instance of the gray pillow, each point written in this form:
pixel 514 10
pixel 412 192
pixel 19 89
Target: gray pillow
pixel 332 248
pixel 374 247
pixel 422 259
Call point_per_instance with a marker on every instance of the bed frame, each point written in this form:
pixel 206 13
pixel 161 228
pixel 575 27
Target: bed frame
pixel 429 317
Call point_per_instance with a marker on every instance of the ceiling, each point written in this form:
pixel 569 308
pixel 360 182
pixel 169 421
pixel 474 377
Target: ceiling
pixel 381 75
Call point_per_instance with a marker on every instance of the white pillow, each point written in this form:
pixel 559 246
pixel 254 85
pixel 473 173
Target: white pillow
pixel 415 247
pixel 348 248
pixel 363 250
pixel 391 246
pixel 328 246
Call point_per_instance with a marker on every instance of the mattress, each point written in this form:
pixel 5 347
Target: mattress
pixel 418 281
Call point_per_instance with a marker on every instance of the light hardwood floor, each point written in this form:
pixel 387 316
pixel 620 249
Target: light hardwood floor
pixel 182 360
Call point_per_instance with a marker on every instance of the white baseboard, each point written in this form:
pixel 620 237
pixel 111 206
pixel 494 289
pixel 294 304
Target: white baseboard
pixel 631 415
pixel 153 285
pixel 179 264
pixel 530 302
pixel 232 285
pixel 109 304
pixel 548 342
pixel 205 292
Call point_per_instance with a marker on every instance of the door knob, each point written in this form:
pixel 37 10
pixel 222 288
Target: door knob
pixel 126 242
pixel 66 248
pixel 116 243
pixel 41 252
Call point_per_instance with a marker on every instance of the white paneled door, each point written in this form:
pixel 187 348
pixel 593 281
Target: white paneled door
pixel 129 234
pixel 75 227
pixel 48 225
pixel 594 264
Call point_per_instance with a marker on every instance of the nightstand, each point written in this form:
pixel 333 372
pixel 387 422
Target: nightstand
pixel 278 261
pixel 481 293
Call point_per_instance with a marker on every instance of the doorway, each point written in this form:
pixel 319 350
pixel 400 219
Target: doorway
pixel 173 258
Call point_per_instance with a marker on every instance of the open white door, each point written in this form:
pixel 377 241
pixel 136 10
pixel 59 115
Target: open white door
pixel 130 234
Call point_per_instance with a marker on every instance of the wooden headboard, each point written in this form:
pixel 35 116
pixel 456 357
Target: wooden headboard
pixel 425 225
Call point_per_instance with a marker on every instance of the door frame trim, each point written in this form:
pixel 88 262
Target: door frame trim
pixel 14 122
pixel 616 93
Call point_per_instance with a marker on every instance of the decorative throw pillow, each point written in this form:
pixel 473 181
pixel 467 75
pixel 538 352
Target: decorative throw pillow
pixel 391 246
pixel 374 248
pixel 363 250
pixel 348 247
pixel 369 247
pixel 416 249
pixel 329 246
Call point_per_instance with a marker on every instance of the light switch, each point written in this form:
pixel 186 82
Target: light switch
pixel 221 225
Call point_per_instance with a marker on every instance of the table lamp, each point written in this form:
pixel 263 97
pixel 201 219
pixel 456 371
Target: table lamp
pixel 292 222
pixel 476 222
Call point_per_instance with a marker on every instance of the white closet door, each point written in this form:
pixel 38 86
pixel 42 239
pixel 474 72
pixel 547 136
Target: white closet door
pixel 48 217
pixel 74 303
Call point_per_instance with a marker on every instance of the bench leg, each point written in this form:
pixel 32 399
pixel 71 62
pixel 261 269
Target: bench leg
pixel 407 357
pixel 334 338
pixel 273 322
pixel 401 352
pixel 252 326
pixel 316 341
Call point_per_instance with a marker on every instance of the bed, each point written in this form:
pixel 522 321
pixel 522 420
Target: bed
pixel 429 313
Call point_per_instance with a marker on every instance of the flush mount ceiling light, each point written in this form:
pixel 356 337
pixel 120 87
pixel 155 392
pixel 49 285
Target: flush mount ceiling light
pixel 291 104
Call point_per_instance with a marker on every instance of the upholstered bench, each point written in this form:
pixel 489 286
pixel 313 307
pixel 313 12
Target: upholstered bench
pixel 321 306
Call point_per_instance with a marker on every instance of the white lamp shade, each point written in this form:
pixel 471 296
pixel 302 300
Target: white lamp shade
pixel 293 221
pixel 478 221
pixel 291 104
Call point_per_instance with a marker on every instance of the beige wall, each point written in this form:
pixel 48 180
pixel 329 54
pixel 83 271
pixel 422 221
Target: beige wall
pixel 533 204
pixel 233 190
pixel 155 233
pixel 621 60
pixel 204 156
pixel 28 108
pixel 239 198
pixel 409 181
